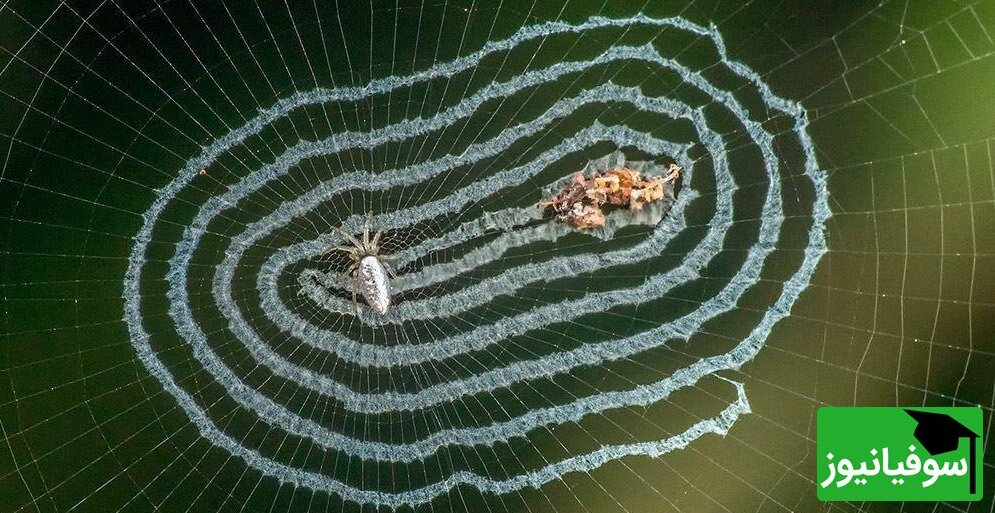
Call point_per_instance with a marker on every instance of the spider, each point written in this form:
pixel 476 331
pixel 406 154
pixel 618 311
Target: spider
pixel 369 270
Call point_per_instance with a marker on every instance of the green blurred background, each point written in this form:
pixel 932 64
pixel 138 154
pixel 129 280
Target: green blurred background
pixel 901 98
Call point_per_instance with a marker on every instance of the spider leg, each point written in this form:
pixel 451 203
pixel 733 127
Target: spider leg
pixel 347 249
pixel 390 270
pixel 366 230
pixel 347 236
pixel 374 247
pixel 352 273
pixel 355 302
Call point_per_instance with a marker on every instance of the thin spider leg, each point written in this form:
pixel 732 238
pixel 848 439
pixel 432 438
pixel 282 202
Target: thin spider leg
pixel 366 231
pixel 353 271
pixel 348 236
pixel 347 249
pixel 390 270
pixel 355 302
pixel 347 276
pixel 375 245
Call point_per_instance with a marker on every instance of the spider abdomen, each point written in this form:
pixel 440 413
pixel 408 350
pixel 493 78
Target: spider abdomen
pixel 374 284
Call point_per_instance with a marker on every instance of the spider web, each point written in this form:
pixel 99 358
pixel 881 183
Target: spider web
pixel 176 336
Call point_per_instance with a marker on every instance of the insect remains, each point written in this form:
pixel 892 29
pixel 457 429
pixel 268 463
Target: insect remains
pixel 370 273
pixel 580 203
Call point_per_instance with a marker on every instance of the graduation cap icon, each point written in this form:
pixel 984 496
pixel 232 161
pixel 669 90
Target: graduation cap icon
pixel 940 433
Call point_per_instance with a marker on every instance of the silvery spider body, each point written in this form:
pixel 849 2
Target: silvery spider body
pixel 370 273
pixel 374 284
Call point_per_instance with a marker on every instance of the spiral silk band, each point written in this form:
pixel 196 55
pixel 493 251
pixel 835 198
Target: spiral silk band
pixel 320 289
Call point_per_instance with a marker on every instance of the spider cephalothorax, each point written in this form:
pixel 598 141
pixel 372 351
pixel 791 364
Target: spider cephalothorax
pixel 369 270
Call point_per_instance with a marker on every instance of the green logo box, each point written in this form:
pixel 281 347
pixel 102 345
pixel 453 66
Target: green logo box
pixel 898 454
